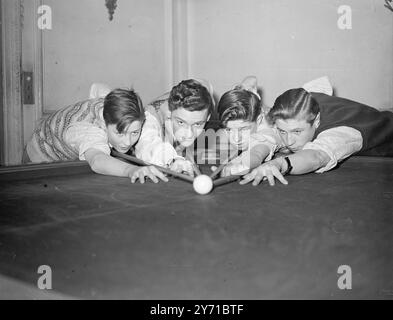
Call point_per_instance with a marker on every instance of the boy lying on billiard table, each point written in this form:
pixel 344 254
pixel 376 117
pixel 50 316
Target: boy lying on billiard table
pixel 88 130
pixel 173 122
pixel 242 118
pixel 318 130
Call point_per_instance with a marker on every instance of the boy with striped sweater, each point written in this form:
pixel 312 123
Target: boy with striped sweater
pixel 88 130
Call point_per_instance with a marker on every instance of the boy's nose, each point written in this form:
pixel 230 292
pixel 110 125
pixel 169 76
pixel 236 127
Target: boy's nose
pixel 189 133
pixel 126 140
pixel 236 136
pixel 290 141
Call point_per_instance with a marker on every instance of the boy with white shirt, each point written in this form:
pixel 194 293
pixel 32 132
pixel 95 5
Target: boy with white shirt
pixel 173 122
pixel 321 130
pixel 242 117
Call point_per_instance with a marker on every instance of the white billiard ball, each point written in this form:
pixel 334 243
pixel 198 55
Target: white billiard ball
pixel 203 184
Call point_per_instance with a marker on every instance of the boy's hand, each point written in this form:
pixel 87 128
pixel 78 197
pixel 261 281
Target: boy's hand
pixel 267 171
pixel 150 172
pixel 181 165
pixel 234 168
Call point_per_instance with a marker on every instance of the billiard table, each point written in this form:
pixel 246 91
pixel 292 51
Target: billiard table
pixel 103 237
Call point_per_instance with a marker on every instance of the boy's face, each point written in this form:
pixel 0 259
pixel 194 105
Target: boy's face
pixel 188 125
pixel 295 133
pixel 122 142
pixel 239 132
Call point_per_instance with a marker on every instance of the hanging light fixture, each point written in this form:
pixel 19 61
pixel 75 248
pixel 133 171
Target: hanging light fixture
pixel 111 5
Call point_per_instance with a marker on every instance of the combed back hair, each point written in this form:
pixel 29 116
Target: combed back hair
pixel 122 107
pixel 238 104
pixel 294 103
pixel 190 95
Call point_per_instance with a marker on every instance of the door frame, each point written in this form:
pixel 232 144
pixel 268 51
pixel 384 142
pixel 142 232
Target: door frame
pixel 38 58
pixel 1 90
pixel 12 108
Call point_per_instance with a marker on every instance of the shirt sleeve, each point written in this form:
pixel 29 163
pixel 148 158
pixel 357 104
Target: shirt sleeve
pixel 83 136
pixel 99 90
pixel 338 143
pixel 267 136
pixel 320 85
pixel 256 151
pixel 151 146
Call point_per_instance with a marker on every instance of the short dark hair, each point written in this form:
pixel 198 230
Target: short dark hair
pixel 190 95
pixel 122 107
pixel 294 103
pixel 238 104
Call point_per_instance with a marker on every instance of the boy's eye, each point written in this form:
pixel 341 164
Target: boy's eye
pixel 179 122
pixel 297 132
pixel 135 133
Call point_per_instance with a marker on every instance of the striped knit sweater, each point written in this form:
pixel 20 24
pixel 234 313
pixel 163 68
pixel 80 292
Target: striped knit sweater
pixel 48 140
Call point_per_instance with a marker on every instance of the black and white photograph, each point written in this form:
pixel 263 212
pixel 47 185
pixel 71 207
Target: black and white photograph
pixel 197 155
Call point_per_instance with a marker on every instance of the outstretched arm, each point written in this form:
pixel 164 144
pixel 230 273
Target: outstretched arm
pixel 330 147
pixel 302 162
pixel 152 148
pixel 102 163
pixel 263 145
pixel 249 159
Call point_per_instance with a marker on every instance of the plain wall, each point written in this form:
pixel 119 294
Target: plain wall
pixel 283 42
pixel 85 47
pixel 286 43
